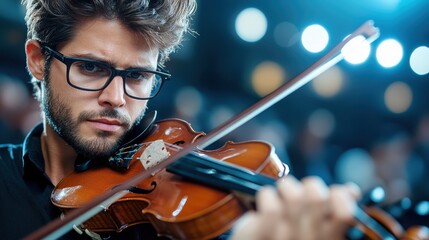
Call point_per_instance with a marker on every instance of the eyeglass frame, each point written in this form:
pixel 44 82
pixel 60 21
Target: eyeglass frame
pixel 68 61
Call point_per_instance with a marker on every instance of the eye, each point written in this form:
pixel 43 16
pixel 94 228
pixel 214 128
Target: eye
pixel 135 75
pixel 91 68
pixel 139 75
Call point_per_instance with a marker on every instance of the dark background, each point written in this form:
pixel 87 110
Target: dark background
pixel 212 71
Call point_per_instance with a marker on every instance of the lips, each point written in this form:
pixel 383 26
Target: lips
pixel 104 124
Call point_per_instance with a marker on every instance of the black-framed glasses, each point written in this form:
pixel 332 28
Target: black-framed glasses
pixel 93 75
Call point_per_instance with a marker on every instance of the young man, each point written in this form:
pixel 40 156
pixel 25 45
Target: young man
pixel 94 65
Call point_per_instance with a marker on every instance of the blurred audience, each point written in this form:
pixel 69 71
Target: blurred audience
pixel 420 170
pixel 394 158
pixel 18 110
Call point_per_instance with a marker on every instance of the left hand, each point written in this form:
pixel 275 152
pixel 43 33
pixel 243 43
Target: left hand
pixel 299 210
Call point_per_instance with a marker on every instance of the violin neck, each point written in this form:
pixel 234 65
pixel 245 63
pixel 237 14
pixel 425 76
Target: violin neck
pixel 222 175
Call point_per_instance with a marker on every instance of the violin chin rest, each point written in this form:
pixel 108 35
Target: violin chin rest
pixel 140 131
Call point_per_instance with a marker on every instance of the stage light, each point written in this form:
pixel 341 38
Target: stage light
pixel 251 24
pixel 389 53
pixel 357 50
pixel 419 60
pixel 315 38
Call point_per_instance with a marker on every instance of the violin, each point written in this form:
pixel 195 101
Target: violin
pixel 120 201
pixel 175 207
pixel 175 202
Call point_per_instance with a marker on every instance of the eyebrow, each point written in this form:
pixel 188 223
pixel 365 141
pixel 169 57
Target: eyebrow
pixel 107 62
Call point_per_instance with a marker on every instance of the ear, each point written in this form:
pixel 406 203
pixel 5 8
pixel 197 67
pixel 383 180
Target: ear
pixel 35 59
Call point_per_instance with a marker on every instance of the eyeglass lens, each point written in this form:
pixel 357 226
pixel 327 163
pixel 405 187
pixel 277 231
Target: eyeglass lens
pixel 94 76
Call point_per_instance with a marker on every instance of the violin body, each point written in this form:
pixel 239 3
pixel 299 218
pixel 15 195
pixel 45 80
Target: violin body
pixel 176 207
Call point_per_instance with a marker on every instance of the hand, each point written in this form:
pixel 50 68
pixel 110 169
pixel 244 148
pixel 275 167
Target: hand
pixel 307 210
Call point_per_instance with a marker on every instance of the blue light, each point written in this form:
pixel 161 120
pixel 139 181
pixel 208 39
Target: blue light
pixel 422 208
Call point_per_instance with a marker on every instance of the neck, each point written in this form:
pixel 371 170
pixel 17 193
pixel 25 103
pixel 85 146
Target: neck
pixel 58 155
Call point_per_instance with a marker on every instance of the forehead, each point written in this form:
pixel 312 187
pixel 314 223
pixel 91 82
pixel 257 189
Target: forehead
pixel 112 41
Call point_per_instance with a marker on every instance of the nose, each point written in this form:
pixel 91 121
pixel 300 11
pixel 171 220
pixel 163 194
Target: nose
pixel 113 95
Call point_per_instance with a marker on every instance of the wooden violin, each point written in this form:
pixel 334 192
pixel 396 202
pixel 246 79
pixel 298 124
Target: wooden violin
pixel 175 207
pixel 183 208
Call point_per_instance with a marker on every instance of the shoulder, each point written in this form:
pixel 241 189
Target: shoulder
pixel 10 156
pixel 10 151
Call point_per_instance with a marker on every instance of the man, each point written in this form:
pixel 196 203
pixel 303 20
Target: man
pixel 94 65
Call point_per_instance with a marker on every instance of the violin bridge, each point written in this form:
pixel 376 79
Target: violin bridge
pixel 154 153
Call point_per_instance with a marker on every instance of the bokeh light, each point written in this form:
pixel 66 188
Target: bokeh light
pixel 219 115
pixel 422 208
pixel 267 77
pixel 315 38
pixel 321 123
pixel 329 83
pixel 389 53
pixel 188 102
pixel 419 60
pixel 357 50
pixel 398 97
pixel 350 161
pixel 251 24
pixel 286 34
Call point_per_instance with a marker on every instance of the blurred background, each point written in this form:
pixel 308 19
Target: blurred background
pixel 365 120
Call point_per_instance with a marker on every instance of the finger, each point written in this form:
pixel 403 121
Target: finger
pixel 269 212
pixel 292 194
pixel 343 205
pixel 317 196
pixel 264 222
pixel 354 190
pixel 268 201
pixel 282 231
pixel 248 227
pixel 316 207
pixel 253 227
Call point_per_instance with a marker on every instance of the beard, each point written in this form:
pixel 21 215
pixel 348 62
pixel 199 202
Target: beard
pixel 58 115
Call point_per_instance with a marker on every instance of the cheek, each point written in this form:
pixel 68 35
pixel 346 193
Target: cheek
pixel 75 100
pixel 136 108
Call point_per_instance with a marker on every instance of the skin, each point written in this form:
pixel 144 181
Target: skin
pixel 98 119
pixel 299 210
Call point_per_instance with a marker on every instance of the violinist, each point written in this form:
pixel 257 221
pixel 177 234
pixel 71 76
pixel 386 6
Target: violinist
pixel 94 66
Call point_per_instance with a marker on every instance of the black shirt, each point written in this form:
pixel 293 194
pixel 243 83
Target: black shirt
pixel 25 191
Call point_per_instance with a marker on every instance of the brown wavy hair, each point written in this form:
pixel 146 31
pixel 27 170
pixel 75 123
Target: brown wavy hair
pixel 161 22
